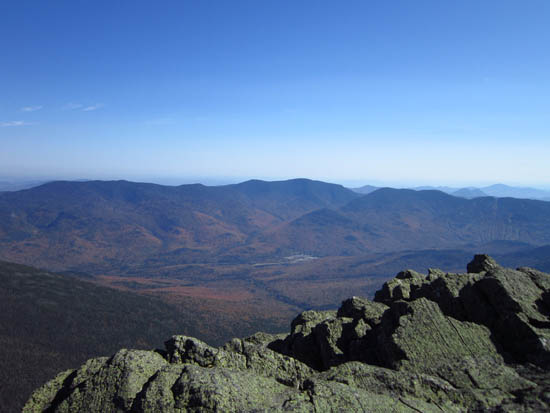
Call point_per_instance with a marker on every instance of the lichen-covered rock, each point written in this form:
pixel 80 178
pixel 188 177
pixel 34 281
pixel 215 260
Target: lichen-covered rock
pixel 107 385
pixel 191 388
pixel 44 398
pixel 462 353
pixel 334 396
pixel 184 350
pixel 478 341
pixel 303 341
pixel 513 304
pixel 361 308
pixel 401 287
pixel 249 354
pixel 436 392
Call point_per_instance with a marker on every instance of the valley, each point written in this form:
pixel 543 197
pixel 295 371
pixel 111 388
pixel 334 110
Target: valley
pixel 120 263
pixel 263 248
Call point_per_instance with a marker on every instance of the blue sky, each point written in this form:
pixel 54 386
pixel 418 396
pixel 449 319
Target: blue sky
pixel 392 92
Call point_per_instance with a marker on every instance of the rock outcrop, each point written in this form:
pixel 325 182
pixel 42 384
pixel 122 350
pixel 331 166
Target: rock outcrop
pixel 478 341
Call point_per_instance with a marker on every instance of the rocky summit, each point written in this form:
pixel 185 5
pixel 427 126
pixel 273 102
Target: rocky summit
pixel 441 342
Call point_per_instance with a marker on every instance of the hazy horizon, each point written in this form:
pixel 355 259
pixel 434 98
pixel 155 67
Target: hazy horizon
pixel 216 181
pixel 383 93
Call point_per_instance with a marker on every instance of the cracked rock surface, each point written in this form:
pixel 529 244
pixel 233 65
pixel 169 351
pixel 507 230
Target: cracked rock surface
pixel 478 341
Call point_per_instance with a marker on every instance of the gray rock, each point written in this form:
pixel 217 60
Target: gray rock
pixel 401 287
pixel 481 263
pixel 107 385
pixel 444 342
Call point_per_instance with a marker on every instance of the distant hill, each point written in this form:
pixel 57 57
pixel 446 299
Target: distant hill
pixel 366 189
pixel 501 191
pixel 401 219
pixel 469 193
pixel 497 190
pixel 288 199
pixel 97 225
pixel 446 189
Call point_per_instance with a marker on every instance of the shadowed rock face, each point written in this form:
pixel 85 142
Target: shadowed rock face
pixel 478 341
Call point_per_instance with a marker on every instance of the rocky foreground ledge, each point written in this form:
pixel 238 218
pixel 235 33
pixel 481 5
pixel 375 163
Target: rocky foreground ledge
pixel 470 342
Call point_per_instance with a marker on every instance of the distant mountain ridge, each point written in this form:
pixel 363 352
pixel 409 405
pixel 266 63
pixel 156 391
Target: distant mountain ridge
pixel 500 190
pixel 64 224
pixel 399 219
pixel 497 190
pixel 99 226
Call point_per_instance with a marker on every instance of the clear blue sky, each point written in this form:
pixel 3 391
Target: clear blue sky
pixel 408 92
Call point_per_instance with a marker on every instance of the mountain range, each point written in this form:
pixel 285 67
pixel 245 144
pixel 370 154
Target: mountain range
pixel 101 226
pixel 392 220
pixel 66 225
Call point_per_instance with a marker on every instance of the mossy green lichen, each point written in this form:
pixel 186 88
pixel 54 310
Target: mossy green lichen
pixel 441 343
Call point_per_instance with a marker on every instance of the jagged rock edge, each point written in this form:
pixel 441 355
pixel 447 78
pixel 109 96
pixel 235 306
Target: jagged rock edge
pixel 405 292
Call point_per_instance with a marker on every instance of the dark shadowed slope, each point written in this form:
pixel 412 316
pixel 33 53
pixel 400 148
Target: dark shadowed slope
pixel 49 320
pixel 533 257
